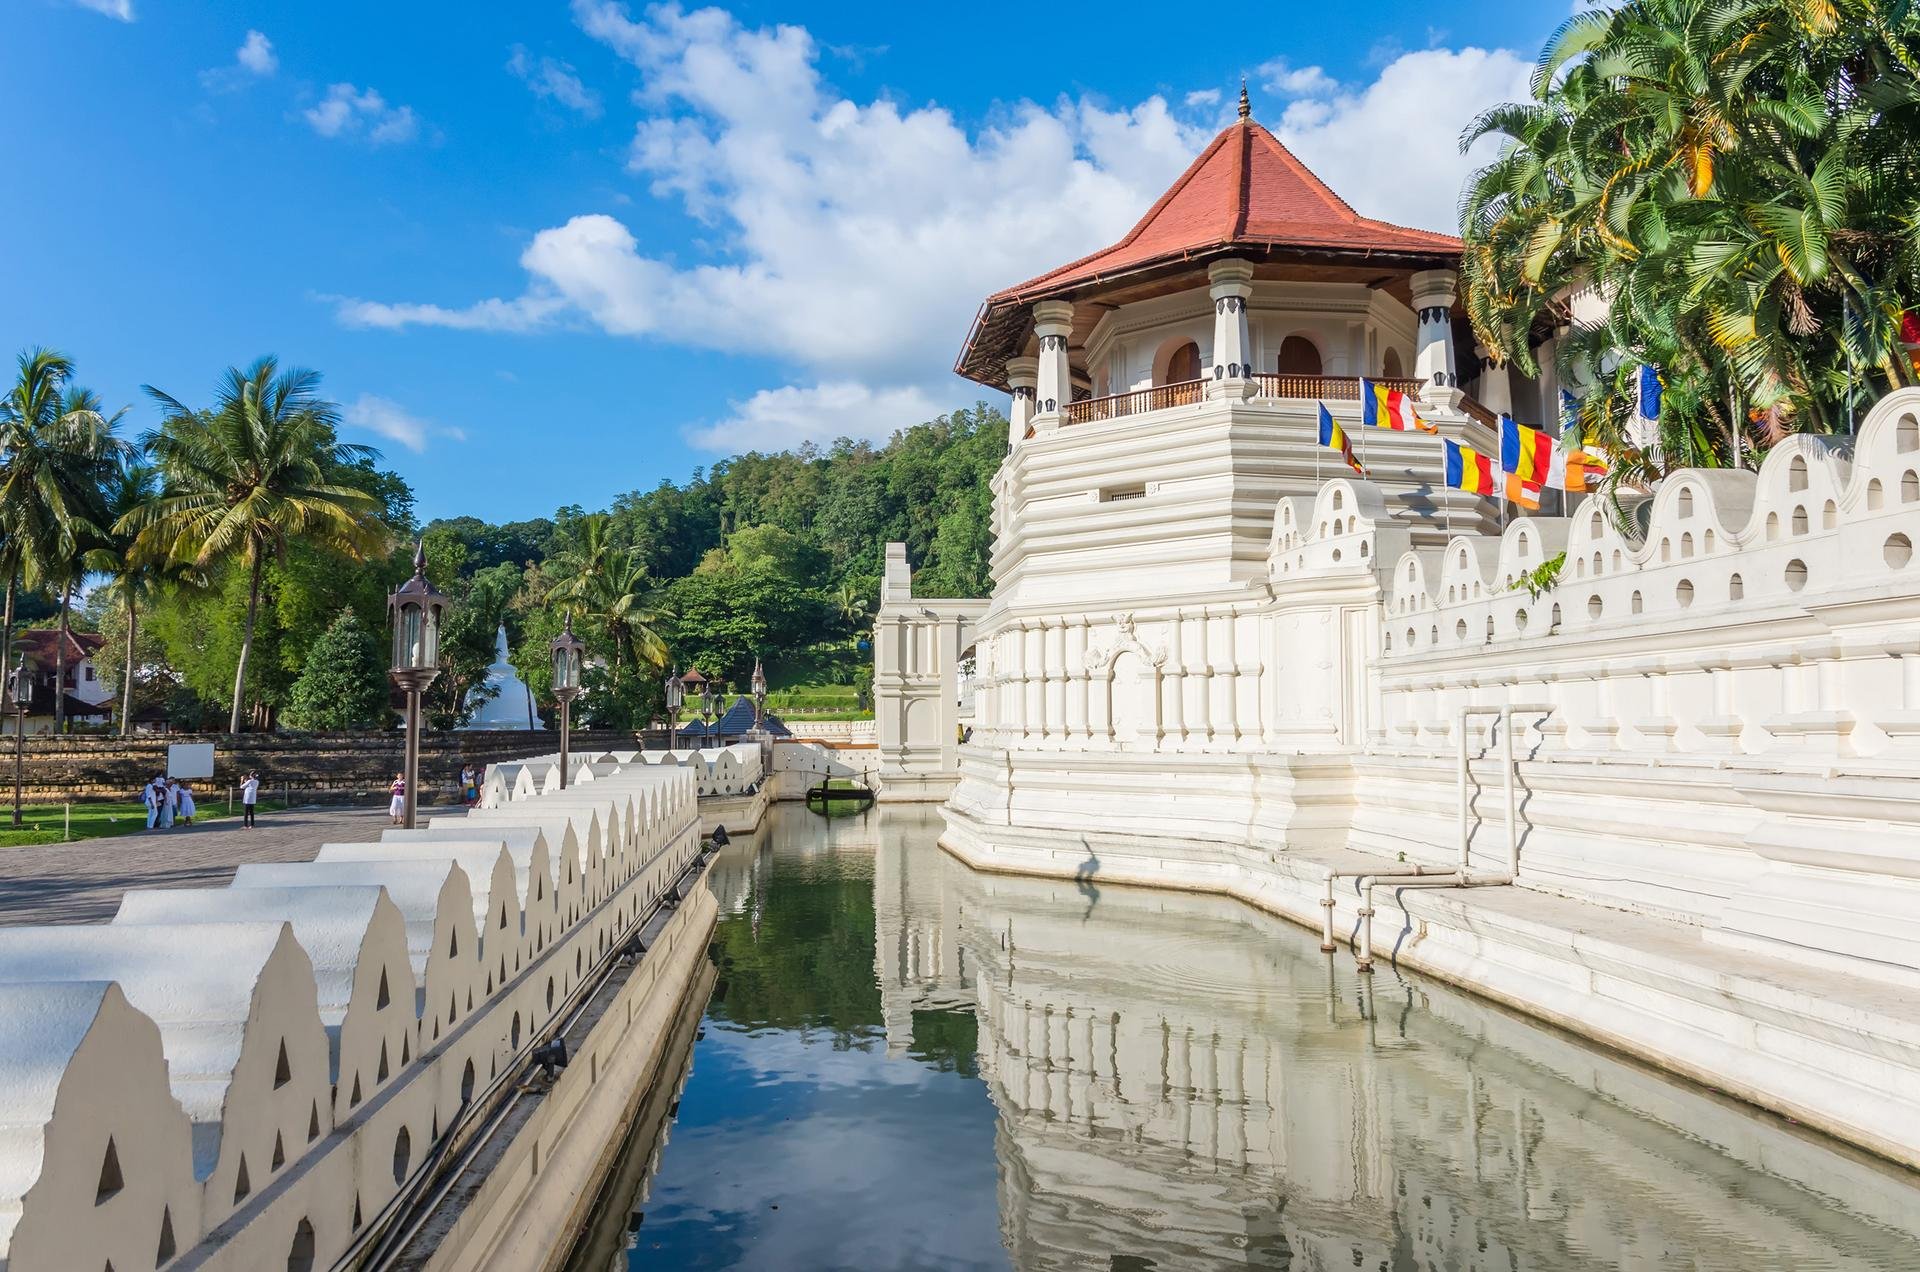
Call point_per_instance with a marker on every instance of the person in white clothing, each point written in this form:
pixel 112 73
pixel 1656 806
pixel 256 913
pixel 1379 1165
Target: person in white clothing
pixel 249 792
pixel 152 801
pixel 184 792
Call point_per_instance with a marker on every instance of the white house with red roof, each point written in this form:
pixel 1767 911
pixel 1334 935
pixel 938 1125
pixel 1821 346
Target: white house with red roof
pixel 88 699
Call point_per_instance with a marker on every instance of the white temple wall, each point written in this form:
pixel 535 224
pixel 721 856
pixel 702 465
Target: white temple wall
pixel 1760 622
pixel 263 1103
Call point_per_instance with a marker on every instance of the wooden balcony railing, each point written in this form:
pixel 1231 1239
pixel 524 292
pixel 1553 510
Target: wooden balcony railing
pixel 1323 388
pixel 1138 402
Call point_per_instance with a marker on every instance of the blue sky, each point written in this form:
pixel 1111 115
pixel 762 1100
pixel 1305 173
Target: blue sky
pixel 545 253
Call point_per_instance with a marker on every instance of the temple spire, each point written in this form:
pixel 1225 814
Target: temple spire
pixel 1246 107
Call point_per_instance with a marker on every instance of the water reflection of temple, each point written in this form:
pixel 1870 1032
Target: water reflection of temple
pixel 1186 1083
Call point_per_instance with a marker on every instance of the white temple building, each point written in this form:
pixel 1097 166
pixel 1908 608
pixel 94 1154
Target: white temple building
pixel 511 706
pixel 1672 801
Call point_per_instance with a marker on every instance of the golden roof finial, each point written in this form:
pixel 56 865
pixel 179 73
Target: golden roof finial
pixel 1246 107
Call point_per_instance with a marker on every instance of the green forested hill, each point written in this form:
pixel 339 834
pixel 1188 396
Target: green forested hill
pixel 777 557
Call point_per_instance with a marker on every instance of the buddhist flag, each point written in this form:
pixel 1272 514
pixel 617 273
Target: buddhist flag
pixel 1333 437
pixel 1539 460
pixel 1382 407
pixel 1525 451
pixel 1644 429
pixel 1521 492
pixel 1468 469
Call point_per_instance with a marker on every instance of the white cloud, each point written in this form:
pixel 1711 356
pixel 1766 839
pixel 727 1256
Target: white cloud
pixel 774 419
pixel 121 9
pixel 256 55
pixel 1203 97
pixel 1283 78
pixel 554 80
pixel 390 420
pixel 1414 111
pixel 348 112
pixel 524 313
pixel 254 59
pixel 856 239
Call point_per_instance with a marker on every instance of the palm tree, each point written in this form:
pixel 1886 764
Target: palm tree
pixel 254 470
pixel 608 584
pixel 58 446
pixel 1738 178
pixel 132 577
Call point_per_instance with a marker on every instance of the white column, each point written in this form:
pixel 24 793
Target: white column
pixel 1496 383
pixel 1056 690
pixel 1176 678
pixel 1077 680
pixel 1053 323
pixel 1010 703
pixel 1203 724
pixel 1434 292
pixel 1023 375
pixel 1231 725
pixel 1231 287
pixel 1033 719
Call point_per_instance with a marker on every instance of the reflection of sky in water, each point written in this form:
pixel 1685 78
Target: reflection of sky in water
pixel 1176 1081
pixel 792 1152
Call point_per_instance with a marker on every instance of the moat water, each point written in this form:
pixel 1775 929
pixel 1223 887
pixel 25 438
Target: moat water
pixel 906 1064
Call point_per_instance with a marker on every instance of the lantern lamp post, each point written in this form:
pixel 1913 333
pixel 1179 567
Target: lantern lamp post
pixel 417 611
pixel 758 686
pixel 676 695
pixel 567 649
pixel 19 694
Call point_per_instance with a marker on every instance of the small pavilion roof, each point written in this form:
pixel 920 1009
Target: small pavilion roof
pixel 1246 196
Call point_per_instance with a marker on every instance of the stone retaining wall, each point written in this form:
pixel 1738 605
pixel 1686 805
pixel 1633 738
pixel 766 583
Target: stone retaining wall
pixel 80 767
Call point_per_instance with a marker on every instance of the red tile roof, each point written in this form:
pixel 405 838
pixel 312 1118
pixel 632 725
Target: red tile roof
pixel 42 645
pixel 1244 189
pixel 1245 194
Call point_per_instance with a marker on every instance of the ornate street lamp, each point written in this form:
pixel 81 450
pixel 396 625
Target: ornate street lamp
pixel 19 694
pixel 758 686
pixel 676 695
pixel 710 698
pixel 567 649
pixel 417 611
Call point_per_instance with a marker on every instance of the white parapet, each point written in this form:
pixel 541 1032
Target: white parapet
pixel 243 1077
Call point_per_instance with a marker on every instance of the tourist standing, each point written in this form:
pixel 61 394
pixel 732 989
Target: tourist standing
pixel 469 792
pixel 397 805
pixel 163 800
pixel 249 792
pixel 151 799
pixel 185 796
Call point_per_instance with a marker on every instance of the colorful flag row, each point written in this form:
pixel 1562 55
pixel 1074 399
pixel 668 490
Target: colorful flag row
pixel 1529 461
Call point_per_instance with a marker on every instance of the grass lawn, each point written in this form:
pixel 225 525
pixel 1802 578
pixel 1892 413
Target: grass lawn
pixel 46 823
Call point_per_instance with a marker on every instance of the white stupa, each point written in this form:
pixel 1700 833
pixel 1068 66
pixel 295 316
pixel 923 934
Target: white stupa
pixel 511 707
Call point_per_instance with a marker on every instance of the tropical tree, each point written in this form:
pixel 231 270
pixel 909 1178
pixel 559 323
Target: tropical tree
pixel 261 466
pixel 609 587
pixel 57 446
pixel 344 684
pixel 1738 180
pixel 131 577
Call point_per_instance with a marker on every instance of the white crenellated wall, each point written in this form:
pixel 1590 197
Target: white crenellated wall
pixel 242 1077
pixel 1717 730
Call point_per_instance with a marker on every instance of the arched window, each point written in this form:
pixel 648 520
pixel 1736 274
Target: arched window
pixel 1390 368
pixel 1184 365
pixel 1299 356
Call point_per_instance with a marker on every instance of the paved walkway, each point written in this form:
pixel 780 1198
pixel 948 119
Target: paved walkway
pixel 82 882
